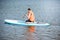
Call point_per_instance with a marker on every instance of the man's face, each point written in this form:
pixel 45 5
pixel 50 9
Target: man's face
pixel 29 11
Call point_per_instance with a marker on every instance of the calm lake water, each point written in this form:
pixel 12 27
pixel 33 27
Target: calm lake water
pixel 44 10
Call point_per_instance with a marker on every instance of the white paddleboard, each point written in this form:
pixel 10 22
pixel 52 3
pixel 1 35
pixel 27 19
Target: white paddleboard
pixel 23 23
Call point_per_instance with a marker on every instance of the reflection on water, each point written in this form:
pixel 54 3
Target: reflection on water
pixel 29 33
pixel 9 32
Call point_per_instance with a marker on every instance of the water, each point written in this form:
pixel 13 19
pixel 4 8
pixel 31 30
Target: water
pixel 45 11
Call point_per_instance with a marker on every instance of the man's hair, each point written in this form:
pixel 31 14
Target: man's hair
pixel 29 9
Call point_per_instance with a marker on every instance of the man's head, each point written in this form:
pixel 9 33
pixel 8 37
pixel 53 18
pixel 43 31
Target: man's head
pixel 29 9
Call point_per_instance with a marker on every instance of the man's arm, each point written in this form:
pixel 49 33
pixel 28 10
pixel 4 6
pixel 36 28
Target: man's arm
pixel 28 15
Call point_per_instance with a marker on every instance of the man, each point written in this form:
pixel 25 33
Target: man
pixel 31 18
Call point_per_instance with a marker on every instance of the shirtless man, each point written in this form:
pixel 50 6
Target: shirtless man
pixel 31 18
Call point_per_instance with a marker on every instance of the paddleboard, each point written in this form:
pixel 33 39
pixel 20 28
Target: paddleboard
pixel 23 23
